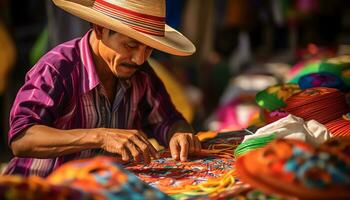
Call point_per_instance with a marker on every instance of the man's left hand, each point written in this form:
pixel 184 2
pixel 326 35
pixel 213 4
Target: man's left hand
pixel 183 144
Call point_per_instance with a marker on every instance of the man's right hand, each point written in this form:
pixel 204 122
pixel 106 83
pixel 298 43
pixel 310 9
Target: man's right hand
pixel 129 144
pixel 40 141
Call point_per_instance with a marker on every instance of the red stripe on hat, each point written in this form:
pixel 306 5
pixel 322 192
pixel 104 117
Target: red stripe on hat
pixel 142 22
pixel 146 22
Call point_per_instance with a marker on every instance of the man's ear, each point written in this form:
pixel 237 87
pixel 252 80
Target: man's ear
pixel 98 30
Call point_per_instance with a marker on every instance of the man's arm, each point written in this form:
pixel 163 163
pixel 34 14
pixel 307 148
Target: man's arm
pixel 41 141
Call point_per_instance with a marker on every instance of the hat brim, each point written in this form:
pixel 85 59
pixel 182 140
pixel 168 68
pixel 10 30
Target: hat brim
pixel 173 42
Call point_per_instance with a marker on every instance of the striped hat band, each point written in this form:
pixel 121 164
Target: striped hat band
pixel 134 18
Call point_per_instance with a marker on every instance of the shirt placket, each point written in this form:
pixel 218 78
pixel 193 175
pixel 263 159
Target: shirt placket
pixel 105 109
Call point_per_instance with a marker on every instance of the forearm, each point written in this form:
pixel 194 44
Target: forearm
pixel 180 126
pixel 41 141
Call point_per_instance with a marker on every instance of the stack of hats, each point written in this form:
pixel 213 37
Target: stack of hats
pixel 273 98
pixel 319 103
pixel 340 127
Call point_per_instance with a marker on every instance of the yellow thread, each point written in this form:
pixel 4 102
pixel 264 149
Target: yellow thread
pixel 210 187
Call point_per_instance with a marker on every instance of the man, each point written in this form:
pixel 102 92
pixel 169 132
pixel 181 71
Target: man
pixel 98 94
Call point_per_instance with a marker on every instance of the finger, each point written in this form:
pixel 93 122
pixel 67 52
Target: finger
pixel 190 139
pixel 145 153
pixel 184 149
pixel 174 149
pixel 135 152
pixel 151 150
pixel 197 144
pixel 146 148
pixel 125 155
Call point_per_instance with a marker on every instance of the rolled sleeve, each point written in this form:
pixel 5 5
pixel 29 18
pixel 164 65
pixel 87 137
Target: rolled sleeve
pixel 38 101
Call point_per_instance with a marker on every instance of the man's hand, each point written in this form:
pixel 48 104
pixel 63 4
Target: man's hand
pixel 128 144
pixel 182 144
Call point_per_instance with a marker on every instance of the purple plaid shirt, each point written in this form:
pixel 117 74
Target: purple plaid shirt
pixel 63 91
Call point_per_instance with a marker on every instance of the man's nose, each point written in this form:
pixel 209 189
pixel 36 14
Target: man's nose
pixel 139 56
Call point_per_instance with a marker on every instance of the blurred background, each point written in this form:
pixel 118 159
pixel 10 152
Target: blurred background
pixel 243 46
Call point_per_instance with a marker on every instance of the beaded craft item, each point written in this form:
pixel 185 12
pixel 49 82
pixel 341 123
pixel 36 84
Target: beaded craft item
pixel 295 169
pixel 17 187
pixel 105 179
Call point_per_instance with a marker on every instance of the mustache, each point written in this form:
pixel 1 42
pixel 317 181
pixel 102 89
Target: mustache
pixel 131 65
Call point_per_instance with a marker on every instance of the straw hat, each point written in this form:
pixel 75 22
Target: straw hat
pixel 142 20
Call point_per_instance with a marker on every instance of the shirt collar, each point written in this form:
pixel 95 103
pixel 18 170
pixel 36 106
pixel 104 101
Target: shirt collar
pixel 89 75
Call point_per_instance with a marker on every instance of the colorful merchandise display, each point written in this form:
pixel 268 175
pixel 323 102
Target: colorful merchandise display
pixel 315 103
pixel 339 146
pixel 337 66
pixel 36 188
pixel 340 127
pixel 274 97
pixel 236 114
pixel 104 179
pixel 252 144
pixel 293 168
pixel 270 117
pixel 321 79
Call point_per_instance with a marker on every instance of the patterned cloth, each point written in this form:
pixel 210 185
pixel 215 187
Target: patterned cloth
pixel 63 91
pixel 167 174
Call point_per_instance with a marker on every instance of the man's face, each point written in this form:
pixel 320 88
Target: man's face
pixel 122 54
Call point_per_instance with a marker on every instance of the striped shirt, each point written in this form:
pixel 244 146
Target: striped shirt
pixel 63 91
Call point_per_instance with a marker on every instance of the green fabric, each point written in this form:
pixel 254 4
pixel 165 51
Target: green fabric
pixel 39 47
pixel 308 69
pixel 252 144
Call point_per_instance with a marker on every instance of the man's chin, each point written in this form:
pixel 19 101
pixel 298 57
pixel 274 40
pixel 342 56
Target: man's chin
pixel 125 76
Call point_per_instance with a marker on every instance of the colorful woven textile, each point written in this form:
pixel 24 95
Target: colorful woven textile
pixel 167 174
pixel 105 179
pixel 321 79
pixel 206 175
pixel 36 188
pixel 338 66
pixel 273 97
pixel 339 146
pixel 315 103
pixel 273 116
pixel 295 169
